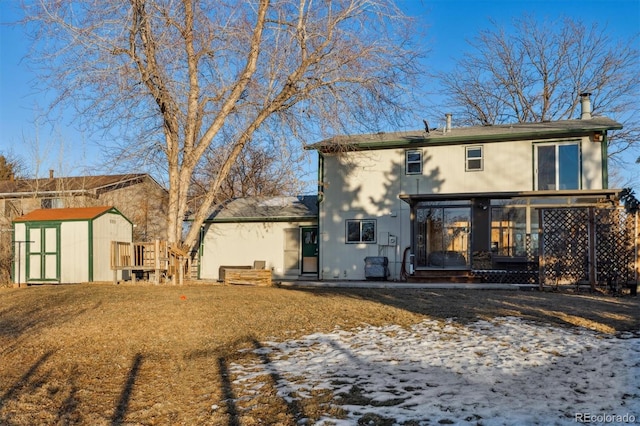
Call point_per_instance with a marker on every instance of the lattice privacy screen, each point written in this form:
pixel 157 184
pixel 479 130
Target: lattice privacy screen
pixel 574 238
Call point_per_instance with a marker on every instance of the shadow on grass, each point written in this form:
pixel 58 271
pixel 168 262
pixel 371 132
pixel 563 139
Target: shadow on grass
pixel 291 408
pixel 294 409
pixel 68 411
pixel 125 396
pixel 598 312
pixel 24 383
pixel 227 392
pixel 47 310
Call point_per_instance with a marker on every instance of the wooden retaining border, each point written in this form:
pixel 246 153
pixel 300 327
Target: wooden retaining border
pixel 260 277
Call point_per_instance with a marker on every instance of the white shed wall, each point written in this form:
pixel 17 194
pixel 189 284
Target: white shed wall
pixel 106 228
pixel 74 252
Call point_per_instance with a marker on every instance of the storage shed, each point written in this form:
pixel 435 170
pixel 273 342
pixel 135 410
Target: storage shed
pixel 69 245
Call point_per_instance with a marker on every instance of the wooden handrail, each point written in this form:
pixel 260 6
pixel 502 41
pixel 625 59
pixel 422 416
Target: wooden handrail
pixel 159 256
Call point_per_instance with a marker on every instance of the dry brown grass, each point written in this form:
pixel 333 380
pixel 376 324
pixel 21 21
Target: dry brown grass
pixel 105 354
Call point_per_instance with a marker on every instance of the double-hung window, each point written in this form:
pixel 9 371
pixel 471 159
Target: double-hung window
pixel 474 158
pixel 413 162
pixel 361 231
pixel 557 166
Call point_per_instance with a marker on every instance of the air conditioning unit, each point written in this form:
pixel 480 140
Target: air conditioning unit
pixel 376 268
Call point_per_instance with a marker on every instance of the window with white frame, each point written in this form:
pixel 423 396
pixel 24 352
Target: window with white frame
pixel 557 166
pixel 361 231
pixel 413 162
pixel 474 158
pixel 51 203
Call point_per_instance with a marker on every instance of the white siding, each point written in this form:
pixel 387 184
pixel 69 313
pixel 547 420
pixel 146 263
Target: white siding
pixel 238 244
pixel 366 185
pixel 74 252
pixel 591 164
pixel 106 228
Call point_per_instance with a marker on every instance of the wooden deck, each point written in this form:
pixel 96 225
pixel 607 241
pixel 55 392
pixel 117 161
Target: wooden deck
pixel 157 257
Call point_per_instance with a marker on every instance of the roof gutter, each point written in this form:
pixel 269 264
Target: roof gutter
pixel 457 140
pixel 32 193
pixel 260 219
pixel 608 193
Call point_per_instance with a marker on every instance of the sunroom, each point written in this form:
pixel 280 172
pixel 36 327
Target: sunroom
pixel 475 234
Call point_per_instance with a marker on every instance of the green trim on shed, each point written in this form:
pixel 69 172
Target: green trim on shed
pixel 43 253
pixel 43 224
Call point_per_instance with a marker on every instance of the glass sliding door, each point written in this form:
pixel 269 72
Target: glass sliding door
pixel 442 236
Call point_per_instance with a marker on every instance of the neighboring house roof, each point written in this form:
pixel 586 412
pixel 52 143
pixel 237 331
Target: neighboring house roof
pixel 77 184
pixel 266 209
pixel 76 213
pixel 462 135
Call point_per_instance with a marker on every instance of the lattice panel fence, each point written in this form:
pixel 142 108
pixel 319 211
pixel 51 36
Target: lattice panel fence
pixel 571 241
pixel 565 245
pixel 615 246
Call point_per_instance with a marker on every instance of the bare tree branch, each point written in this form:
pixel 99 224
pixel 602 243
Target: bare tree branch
pixel 537 71
pixel 179 80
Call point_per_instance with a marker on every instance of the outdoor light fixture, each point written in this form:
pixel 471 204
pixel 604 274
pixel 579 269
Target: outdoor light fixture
pixel 597 137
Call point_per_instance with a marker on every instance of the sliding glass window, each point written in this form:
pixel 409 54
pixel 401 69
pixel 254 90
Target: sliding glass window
pixel 557 166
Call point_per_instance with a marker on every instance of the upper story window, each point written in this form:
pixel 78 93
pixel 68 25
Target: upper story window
pixel 413 162
pixel 557 166
pixel 51 203
pixel 361 231
pixel 474 158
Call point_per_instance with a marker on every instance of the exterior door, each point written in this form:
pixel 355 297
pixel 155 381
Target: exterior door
pixel 442 237
pixel 43 253
pixel 309 249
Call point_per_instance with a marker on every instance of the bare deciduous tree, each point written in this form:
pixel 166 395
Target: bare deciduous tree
pixel 258 171
pixel 11 166
pixel 537 71
pixel 184 76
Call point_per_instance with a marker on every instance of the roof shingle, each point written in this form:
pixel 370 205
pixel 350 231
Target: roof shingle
pixel 75 213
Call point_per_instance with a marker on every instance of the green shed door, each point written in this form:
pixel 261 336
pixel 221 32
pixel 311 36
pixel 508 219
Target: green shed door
pixel 43 254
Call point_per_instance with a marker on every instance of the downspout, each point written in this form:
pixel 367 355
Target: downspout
pixel 91 249
pixel 200 250
pixel 320 200
pixel 605 161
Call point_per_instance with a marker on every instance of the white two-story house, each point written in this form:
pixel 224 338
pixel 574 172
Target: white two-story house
pixel 454 199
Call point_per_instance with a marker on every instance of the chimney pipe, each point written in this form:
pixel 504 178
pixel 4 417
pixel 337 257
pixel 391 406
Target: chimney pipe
pixel 50 173
pixel 448 128
pixel 585 104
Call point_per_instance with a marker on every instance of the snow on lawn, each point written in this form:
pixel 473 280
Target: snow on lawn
pixel 503 372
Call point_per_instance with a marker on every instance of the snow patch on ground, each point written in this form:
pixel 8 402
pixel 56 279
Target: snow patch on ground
pixel 501 372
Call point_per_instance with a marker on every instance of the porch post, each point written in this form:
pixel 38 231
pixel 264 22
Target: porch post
pixel 541 256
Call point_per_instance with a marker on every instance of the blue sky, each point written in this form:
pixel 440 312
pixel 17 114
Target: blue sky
pixel 449 24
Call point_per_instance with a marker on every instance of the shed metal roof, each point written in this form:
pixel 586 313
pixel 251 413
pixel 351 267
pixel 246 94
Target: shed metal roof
pixel 75 213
